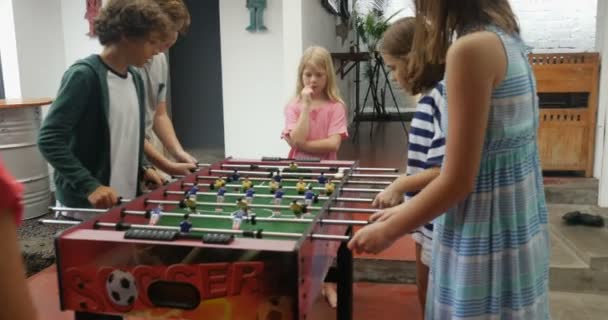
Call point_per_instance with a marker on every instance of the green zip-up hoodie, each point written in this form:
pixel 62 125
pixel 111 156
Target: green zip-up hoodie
pixel 75 135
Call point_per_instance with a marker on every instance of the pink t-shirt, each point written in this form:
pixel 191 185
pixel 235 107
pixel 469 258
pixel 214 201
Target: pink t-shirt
pixel 325 121
pixel 10 194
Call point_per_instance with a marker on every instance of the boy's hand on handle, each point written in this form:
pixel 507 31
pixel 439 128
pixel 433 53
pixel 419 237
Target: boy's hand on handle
pixel 152 179
pixel 306 96
pixel 103 197
pixel 387 198
pixel 372 238
pixel 176 168
pixel 185 157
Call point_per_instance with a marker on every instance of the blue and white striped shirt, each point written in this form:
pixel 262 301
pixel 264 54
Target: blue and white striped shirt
pixel 426 139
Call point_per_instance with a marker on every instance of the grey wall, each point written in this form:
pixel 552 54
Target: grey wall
pixel 196 79
pixel 1 81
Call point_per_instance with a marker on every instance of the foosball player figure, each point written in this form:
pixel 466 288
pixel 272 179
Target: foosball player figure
pixel 322 179
pixel 249 195
pixel 309 196
pixel 298 208
pixel 278 197
pixel 219 182
pixel 235 176
pixel 277 177
pixel 301 186
pixel 221 192
pixel 156 214
pixel 185 225
pixel 241 204
pixel 191 192
pixel 190 200
pixel 246 184
pixel 293 166
pixel 330 187
pixel 273 186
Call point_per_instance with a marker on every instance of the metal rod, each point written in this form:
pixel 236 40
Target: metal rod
pixel 362 190
pixel 201 165
pixel 282 167
pixel 369 182
pixel 291 235
pixel 59 222
pixel 272 196
pixel 264 206
pixel 337 175
pixel 377 169
pixel 365 175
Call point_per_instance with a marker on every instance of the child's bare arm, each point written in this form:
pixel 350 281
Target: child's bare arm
pixel 330 144
pixel 164 164
pixel 163 127
pixel 14 292
pixel 393 194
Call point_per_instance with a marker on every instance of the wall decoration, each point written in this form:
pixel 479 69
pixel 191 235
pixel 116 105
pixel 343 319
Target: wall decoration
pixel 256 15
pixel 333 6
pixel 93 8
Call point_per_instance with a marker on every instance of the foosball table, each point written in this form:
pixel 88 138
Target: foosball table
pixel 237 239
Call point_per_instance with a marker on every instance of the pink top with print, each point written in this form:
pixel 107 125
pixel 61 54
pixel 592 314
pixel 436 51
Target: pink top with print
pixel 325 121
pixel 11 194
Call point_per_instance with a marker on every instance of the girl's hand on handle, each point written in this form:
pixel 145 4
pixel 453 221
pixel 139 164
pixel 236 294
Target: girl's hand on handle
pixel 373 238
pixel 103 197
pixel 387 198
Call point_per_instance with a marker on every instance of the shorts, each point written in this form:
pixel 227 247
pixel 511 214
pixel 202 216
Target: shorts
pixel 424 237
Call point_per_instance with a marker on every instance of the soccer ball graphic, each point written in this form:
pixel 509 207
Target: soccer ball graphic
pixel 121 288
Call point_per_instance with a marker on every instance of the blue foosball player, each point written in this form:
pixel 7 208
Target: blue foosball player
pixel 277 177
pixel 221 192
pixel 156 214
pixel 278 197
pixel 235 176
pixel 185 225
pixel 249 195
pixel 309 196
pixel 322 179
pixel 192 192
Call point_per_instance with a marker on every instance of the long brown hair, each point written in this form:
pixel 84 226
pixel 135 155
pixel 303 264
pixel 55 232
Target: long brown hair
pixel 397 41
pixel 438 21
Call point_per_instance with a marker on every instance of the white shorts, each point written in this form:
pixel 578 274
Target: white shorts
pixel 424 237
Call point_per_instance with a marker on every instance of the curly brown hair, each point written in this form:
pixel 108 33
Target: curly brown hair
pixel 131 19
pixel 397 41
pixel 177 12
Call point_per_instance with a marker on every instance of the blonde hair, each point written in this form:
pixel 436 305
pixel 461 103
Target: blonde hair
pixel 320 58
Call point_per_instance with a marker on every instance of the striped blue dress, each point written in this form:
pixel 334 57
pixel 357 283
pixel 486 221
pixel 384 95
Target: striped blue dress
pixel 491 251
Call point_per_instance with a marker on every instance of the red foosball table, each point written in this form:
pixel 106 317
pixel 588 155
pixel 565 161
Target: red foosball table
pixel 237 239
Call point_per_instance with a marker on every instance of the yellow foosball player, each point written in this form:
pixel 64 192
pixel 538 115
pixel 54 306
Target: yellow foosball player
pixel 301 186
pixel 246 184
pixel 298 208
pixel 293 166
pixel 219 182
pixel 273 186
pixel 330 187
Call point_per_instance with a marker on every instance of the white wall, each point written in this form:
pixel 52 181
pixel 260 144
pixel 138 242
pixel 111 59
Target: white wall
pixel 253 81
pixel 75 27
pixel 8 50
pixel 40 46
pixel 557 25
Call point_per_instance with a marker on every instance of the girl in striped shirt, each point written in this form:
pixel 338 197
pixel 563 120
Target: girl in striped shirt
pixel 426 140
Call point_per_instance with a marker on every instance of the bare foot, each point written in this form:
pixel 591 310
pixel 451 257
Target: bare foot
pixel 330 294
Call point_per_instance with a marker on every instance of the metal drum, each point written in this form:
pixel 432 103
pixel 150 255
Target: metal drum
pixel 19 127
